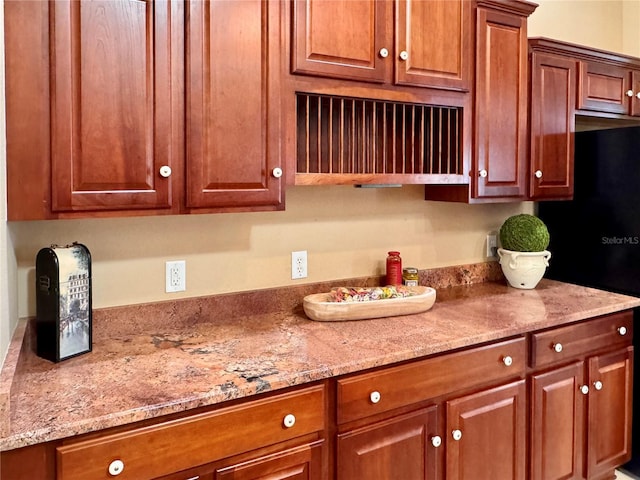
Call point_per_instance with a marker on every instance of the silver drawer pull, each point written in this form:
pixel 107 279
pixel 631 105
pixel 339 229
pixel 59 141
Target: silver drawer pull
pixel 557 347
pixel 508 361
pixel 375 397
pixel 598 385
pixel 456 434
pixel 622 330
pixel 436 441
pixel 584 389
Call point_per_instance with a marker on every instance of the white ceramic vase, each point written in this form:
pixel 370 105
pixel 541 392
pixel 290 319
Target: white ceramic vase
pixel 523 269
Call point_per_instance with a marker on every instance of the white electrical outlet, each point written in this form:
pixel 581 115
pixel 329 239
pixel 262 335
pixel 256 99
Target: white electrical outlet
pixel 298 265
pixel 176 276
pixel 492 245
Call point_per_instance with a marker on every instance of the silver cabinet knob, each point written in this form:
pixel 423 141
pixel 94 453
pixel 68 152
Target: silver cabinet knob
pixel 289 420
pixel 538 174
pixel 638 95
pixel 436 441
pixel 622 330
pixel 384 53
pixel 557 347
pixel 276 172
pixel 116 467
pixel 483 173
pixel 630 93
pixel 404 55
pixel 375 397
pixel 456 434
pixel 508 361
pixel 598 385
pixel 165 171
pixel 584 389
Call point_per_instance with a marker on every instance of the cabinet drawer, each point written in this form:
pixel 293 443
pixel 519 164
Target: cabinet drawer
pixel 371 393
pixel 563 343
pixel 168 447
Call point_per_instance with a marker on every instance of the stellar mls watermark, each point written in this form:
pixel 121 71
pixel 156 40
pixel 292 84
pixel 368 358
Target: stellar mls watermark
pixel 620 240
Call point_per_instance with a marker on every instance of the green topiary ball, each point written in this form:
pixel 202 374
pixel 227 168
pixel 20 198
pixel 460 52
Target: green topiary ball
pixel 524 233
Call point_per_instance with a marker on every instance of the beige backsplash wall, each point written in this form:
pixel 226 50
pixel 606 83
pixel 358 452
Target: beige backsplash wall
pixel 346 231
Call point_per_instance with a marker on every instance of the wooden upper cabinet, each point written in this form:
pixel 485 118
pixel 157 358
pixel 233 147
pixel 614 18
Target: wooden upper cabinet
pixel 342 39
pixel 635 87
pixel 111 100
pixel 553 94
pixel 425 43
pixel 233 104
pixel 500 150
pixel 433 43
pixel 604 88
pixel 609 83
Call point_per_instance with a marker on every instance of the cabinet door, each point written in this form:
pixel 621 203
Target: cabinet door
pixel 486 434
pixel 233 104
pixel 111 104
pixel 635 87
pixel 553 94
pixel 400 448
pixel 557 423
pixel 343 39
pixel 604 88
pixel 299 463
pixel 610 406
pixel 433 43
pixel 500 150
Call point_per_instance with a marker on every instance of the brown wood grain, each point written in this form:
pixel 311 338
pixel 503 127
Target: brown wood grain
pixel 195 440
pixel 433 377
pixel 552 121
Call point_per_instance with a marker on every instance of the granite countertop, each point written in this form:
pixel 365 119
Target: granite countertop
pixel 155 359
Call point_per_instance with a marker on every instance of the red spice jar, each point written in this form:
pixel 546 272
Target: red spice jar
pixel 394 269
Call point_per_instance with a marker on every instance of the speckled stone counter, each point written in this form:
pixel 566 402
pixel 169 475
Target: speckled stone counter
pixel 155 359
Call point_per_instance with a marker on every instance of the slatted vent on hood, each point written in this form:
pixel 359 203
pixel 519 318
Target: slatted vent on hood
pixel 359 140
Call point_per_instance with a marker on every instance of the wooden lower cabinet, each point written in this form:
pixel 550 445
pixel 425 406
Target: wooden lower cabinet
pixel 408 447
pixel 486 434
pixel 267 426
pixel 401 448
pixel 610 409
pixel 581 411
pixel 557 423
pixel 298 463
pixel 581 418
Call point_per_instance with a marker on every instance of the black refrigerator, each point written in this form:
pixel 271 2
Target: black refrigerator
pixel 595 238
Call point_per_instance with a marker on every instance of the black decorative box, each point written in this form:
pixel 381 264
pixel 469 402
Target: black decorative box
pixel 63 301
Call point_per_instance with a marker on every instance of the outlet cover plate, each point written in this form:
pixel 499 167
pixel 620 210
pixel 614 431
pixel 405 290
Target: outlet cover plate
pixel 298 265
pixel 176 276
pixel 492 245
